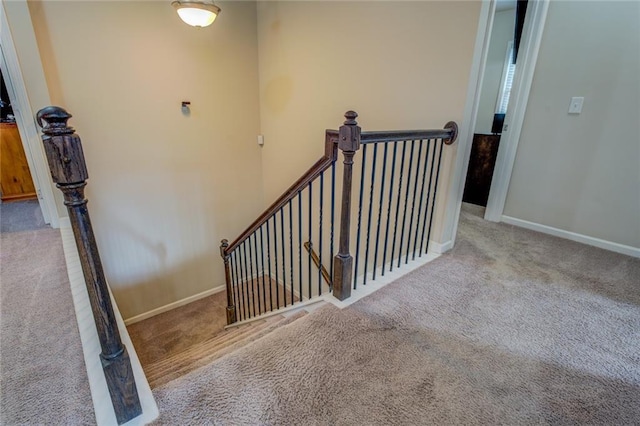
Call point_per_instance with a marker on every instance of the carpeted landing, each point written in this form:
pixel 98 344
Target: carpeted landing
pixel 511 327
pixel 18 216
pixel 42 371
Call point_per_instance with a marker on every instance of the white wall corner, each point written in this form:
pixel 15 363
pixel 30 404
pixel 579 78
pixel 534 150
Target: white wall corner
pixel 440 248
pixel 465 136
pixel 529 48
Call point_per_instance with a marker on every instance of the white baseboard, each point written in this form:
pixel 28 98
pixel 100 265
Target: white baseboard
pixel 381 280
pixel 102 405
pixel 173 305
pixel 440 248
pixel 580 238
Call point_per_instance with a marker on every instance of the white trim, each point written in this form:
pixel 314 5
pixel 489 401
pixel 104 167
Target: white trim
pixel 29 134
pixel 381 281
pixel 465 137
pixel 439 248
pixel 173 305
pixel 103 408
pixel 287 311
pixel 528 55
pixel 580 238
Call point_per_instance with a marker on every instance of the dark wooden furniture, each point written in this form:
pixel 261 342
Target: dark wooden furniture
pixel 69 171
pixel 482 161
pixel 15 178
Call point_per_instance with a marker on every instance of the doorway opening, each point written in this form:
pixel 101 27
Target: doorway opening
pixel 19 206
pixel 499 71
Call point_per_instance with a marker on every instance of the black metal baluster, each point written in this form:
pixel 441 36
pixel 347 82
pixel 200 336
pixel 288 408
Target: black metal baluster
pixel 241 274
pixel 386 233
pixel 257 277
pixel 321 203
pixel 264 290
pixel 269 265
pixel 291 247
pixel 233 283
pixel 373 180
pixel 253 286
pixel 406 201
pixel 234 264
pixel 284 259
pixel 300 243
pixel 435 193
pixel 384 171
pixel 424 175
pixel 246 275
pixel 357 257
pixel 426 212
pixel 395 226
pixel 413 201
pixel 310 234
pixel 333 209
pixel 275 259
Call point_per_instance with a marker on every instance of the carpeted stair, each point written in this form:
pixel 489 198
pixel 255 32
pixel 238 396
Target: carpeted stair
pixel 168 369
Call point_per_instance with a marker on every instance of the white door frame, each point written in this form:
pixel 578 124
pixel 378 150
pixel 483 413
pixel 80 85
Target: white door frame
pixel 528 55
pixel 29 134
pixel 529 46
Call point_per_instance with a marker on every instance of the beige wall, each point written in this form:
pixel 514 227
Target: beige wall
pixel 398 64
pixel 581 173
pixel 164 187
pixel 501 33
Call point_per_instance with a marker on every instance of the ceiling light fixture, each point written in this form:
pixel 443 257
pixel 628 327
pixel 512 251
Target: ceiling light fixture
pixel 196 13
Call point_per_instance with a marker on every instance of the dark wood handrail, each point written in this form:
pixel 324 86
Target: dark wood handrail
pixel 448 135
pixel 329 157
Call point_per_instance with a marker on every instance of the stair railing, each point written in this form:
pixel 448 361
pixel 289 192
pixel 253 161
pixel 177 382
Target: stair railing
pixel 404 207
pixel 64 153
pixel 263 272
pixel 265 266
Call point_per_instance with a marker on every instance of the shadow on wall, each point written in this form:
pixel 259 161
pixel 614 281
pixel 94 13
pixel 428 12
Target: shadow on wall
pixel 146 262
pixel 160 289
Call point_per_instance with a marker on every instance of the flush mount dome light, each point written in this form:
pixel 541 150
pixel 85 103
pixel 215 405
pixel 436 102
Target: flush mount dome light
pixel 196 13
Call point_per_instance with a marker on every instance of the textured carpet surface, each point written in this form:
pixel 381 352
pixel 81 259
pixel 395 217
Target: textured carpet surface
pixel 21 216
pixel 42 371
pixel 511 327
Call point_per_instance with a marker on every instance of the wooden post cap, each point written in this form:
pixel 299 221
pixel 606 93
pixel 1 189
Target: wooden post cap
pixel 55 121
pixel 349 133
pixel 62 147
pixel 350 118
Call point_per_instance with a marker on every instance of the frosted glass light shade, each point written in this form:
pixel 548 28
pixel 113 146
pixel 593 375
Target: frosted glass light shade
pixel 196 13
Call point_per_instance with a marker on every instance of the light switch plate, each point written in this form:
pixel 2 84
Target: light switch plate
pixel 575 107
pixel 260 140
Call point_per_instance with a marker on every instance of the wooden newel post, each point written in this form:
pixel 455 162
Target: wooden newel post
pixel 63 149
pixel 231 309
pixel 348 143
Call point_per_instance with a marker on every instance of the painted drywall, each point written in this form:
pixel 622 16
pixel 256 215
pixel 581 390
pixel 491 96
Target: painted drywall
pixel 26 47
pixel 400 65
pixel 581 173
pixel 165 186
pixel 501 33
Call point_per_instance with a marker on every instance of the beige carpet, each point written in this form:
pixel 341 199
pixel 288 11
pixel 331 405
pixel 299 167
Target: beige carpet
pixel 43 379
pixel 511 327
